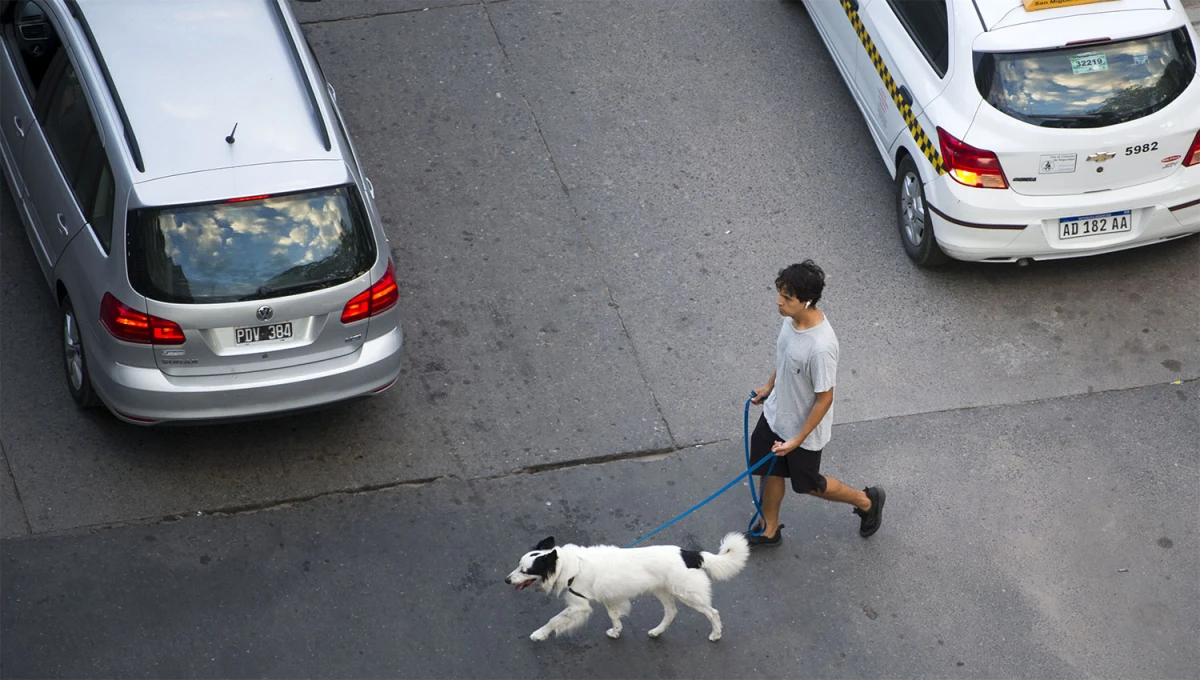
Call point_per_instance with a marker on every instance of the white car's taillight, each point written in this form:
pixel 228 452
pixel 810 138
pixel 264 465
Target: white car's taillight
pixel 1193 155
pixel 970 166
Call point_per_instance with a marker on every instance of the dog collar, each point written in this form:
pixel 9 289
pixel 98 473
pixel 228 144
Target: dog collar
pixel 574 592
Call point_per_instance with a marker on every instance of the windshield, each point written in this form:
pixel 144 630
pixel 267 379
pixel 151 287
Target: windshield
pixel 250 249
pixel 1089 86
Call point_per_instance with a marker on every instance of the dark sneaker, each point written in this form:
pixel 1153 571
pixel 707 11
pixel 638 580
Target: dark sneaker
pixel 763 541
pixel 872 519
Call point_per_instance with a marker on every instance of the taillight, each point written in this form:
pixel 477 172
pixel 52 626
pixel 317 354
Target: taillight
pixel 128 324
pixel 380 297
pixel 970 166
pixel 1193 154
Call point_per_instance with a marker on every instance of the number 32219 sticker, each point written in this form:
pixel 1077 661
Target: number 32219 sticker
pixel 1089 63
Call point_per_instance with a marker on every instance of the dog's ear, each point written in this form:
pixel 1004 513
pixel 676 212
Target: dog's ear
pixel 546 544
pixel 544 565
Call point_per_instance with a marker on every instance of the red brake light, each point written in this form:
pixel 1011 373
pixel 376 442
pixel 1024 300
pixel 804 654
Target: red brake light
pixel 248 198
pixel 1193 154
pixel 970 166
pixel 380 297
pixel 130 325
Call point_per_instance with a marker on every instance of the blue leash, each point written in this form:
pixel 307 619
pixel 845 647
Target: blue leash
pixel 749 469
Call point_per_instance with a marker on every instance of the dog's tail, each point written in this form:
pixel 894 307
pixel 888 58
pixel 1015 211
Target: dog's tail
pixel 729 560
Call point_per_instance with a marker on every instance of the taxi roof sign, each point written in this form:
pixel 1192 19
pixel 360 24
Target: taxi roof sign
pixel 1032 5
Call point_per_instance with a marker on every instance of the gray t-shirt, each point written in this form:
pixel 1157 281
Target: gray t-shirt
pixel 805 363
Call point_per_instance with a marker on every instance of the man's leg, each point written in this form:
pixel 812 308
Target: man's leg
pixel 835 491
pixel 772 498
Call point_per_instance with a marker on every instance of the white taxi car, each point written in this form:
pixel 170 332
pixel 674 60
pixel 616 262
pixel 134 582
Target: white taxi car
pixel 1022 130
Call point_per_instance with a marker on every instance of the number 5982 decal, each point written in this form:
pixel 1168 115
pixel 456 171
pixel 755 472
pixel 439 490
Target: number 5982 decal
pixel 1141 148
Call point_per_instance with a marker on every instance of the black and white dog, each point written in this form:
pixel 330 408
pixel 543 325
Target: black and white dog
pixel 613 576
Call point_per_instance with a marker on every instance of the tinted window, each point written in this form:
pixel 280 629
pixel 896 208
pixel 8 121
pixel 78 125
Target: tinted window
pixel 69 123
pixel 251 249
pixel 93 187
pixel 31 35
pixel 926 23
pixel 1085 87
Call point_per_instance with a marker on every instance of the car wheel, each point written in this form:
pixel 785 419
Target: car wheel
pixel 75 360
pixel 912 217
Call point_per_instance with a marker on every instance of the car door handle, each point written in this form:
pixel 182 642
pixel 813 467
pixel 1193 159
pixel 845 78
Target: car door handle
pixel 906 96
pixel 19 126
pixel 62 224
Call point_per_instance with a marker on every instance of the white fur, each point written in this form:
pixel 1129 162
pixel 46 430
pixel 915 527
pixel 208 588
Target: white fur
pixel 613 576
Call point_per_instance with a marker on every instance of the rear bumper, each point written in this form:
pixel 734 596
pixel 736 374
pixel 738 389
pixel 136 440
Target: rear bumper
pixel 1003 226
pixel 146 396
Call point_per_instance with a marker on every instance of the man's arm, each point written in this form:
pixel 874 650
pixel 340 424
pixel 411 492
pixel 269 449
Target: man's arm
pixel 819 409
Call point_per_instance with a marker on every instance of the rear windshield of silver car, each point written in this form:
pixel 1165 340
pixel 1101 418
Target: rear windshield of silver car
pixel 250 248
pixel 1090 85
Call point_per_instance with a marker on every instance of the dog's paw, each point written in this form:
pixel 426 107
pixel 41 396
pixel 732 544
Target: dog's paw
pixel 613 633
pixel 714 636
pixel 655 632
pixel 539 635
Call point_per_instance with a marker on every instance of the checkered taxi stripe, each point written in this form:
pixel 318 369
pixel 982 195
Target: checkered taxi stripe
pixel 923 142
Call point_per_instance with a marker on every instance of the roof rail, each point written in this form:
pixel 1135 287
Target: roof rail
pixel 312 96
pixel 134 150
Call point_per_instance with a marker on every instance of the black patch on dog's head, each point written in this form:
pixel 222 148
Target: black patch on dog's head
pixel 544 565
pixel 546 543
pixel 692 558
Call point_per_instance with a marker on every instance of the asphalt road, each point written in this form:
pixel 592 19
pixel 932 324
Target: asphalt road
pixel 589 202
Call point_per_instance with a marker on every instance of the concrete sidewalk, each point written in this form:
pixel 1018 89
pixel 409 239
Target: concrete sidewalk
pixel 998 577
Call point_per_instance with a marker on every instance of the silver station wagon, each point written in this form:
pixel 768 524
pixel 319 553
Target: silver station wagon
pixel 195 203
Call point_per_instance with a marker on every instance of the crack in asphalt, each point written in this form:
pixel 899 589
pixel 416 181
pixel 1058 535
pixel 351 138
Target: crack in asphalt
pixel 608 292
pixel 16 489
pixel 358 17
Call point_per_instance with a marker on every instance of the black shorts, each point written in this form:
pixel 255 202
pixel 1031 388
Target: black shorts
pixel 802 466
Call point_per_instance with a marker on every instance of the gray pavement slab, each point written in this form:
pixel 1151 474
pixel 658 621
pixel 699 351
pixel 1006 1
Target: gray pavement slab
pixel 549 326
pixel 1066 550
pixel 707 144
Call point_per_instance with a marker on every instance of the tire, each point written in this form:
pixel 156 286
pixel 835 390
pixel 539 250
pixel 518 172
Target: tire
pixel 912 217
pixel 79 381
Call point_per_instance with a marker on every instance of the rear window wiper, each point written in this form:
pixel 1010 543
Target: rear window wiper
pixel 1068 120
pixel 289 289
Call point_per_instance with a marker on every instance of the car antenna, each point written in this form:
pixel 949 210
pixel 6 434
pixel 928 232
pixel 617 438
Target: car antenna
pixel 230 139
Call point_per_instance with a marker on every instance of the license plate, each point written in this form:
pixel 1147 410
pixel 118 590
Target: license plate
pixel 275 331
pixel 1094 225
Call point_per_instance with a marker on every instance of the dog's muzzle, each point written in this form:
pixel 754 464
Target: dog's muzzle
pixel 520 584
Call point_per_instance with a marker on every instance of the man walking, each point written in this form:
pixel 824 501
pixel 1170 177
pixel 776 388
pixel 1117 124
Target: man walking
pixel 797 419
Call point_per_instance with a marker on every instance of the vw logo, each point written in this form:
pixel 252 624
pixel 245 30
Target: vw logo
pixel 264 313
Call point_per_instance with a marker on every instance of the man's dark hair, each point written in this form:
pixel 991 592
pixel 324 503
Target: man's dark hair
pixel 803 281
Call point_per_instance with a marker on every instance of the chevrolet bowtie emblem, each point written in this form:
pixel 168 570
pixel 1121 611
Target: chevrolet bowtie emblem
pixel 1101 157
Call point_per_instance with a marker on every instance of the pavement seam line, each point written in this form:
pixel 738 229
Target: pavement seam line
pixel 1040 400
pixel 16 490
pixel 286 503
pixel 608 292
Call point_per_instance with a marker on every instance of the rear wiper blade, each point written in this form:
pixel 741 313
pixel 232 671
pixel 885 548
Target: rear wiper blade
pixel 289 289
